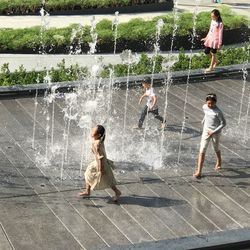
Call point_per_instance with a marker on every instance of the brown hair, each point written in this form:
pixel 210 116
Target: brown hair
pixel 211 97
pixel 101 132
pixel 217 14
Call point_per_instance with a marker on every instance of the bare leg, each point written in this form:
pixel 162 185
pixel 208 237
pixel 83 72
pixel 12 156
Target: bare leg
pixel 210 55
pixel 201 159
pixel 218 162
pixel 213 61
pixel 86 193
pixel 117 193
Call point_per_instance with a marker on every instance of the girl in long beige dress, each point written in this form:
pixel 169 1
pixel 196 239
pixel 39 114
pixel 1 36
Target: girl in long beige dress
pixel 99 174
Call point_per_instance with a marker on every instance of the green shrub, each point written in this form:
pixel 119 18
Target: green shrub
pixel 33 6
pixel 143 66
pixel 136 31
pixel 22 77
pixel 199 61
pixel 225 56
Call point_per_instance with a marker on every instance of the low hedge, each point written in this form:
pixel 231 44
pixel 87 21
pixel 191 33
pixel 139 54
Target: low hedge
pixel 17 7
pixel 225 56
pixel 137 35
pixel 22 77
pixel 144 66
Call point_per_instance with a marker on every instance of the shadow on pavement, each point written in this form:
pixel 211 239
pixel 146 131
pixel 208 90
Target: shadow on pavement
pixel 148 201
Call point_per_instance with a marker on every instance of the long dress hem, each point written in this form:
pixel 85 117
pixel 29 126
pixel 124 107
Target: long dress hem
pixel 93 176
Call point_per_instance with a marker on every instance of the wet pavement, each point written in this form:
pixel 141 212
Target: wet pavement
pixel 160 201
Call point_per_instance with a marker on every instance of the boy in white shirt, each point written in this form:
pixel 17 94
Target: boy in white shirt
pixel 151 105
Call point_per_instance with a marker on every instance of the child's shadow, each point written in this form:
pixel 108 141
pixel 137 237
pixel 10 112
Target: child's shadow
pixel 186 130
pixel 148 201
pixel 131 166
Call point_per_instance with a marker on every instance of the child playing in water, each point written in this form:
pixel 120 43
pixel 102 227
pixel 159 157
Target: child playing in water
pixel 99 174
pixel 213 122
pixel 151 106
pixel 213 40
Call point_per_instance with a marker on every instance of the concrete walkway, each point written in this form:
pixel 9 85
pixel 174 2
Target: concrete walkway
pixel 240 7
pixel 39 211
pixel 41 62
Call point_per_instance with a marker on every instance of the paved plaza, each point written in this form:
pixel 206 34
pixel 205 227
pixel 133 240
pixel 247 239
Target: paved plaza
pixel 38 210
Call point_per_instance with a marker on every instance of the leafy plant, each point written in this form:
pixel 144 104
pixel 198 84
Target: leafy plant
pixel 137 32
pixel 145 65
pixel 225 56
pixel 33 6
pixel 21 77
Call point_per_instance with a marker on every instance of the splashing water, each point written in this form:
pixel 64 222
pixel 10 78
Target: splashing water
pixel 94 36
pixel 245 74
pixel 128 61
pixel 159 27
pixel 44 26
pixel 48 99
pixel 115 24
pixel 168 79
pixel 35 114
pixel 188 76
pixel 110 94
pixel 53 94
pixel 95 102
pixel 246 134
pixel 76 40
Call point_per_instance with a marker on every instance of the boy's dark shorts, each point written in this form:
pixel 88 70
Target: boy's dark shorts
pixel 208 50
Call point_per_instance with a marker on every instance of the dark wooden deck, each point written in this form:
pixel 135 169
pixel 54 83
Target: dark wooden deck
pixel 40 211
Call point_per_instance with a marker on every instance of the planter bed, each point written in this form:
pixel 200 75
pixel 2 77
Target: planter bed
pixel 143 66
pixel 233 36
pixel 77 9
pixel 137 35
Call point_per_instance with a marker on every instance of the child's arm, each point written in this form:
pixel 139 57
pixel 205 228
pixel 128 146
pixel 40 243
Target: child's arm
pixel 220 34
pixel 203 108
pixel 203 120
pixel 100 157
pixel 222 122
pixel 154 98
pixel 142 98
pixel 205 38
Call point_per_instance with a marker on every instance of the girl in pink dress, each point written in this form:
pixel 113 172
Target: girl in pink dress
pixel 213 40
